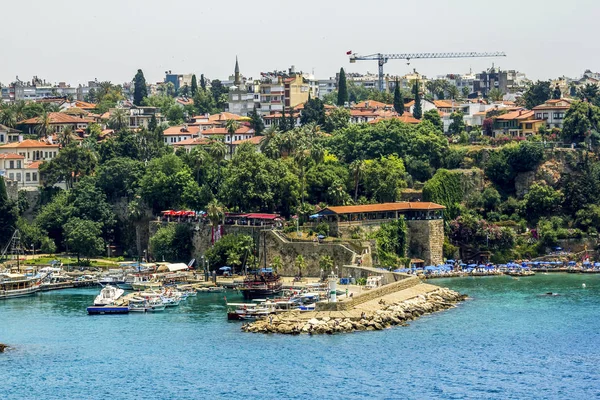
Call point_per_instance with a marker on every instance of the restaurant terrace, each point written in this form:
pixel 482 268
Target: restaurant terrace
pixel 410 211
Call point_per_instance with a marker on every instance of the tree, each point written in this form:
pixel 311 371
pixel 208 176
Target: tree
pixel 232 126
pixel 234 248
pixel 458 124
pixel 184 91
pixel 9 214
pixel 417 110
pixel 383 178
pixel 540 201
pixel 215 213
pixel 204 102
pixel 556 93
pixel 589 92
pixel 118 119
pixel 338 118
pixel 466 92
pixel 217 150
pixel 313 112
pixel 537 93
pixel 140 90
pixel 277 264
pixel 326 264
pixel 70 165
pixel 153 124
pixel 83 237
pixel 495 94
pixel 194 88
pixel 580 119
pixel 392 242
pixel 300 263
pixel 337 195
pixel 119 177
pixel 342 95
pixel 256 122
pixel 433 116
pixel 488 127
pixel 219 93
pixel 43 124
pixel 172 242
pixel 398 99
pixel 202 82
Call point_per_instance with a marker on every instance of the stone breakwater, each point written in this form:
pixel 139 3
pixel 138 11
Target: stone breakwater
pixel 394 313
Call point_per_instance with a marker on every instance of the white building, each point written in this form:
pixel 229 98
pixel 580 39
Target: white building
pixel 553 112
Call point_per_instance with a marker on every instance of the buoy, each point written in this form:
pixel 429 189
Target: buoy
pixel 583 285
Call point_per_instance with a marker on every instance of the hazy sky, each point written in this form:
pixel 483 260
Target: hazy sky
pixel 77 41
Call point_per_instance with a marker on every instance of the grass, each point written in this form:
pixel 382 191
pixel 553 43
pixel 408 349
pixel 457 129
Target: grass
pixel 47 259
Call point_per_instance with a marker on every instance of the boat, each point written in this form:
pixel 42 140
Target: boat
pixel 265 284
pixel 127 283
pixel 55 282
pixel 250 311
pixel 146 304
pixel 17 285
pixel 108 295
pixel 143 282
pixel 101 310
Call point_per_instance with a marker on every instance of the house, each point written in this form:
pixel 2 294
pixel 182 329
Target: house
pixel 58 122
pixel 189 144
pixel 175 134
pixel 243 132
pixel 256 141
pixel 406 118
pixel 31 150
pixel 14 168
pixel 553 112
pixel 517 123
pixel 8 134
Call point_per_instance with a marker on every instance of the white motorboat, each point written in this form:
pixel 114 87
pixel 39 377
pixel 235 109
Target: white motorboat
pixel 108 295
pixel 148 304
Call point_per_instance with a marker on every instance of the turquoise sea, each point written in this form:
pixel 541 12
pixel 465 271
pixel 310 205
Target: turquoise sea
pixel 506 342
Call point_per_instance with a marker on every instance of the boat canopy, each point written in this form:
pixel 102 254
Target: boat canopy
pixel 177 267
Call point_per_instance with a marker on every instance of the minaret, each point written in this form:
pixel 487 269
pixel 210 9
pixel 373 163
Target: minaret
pixel 236 81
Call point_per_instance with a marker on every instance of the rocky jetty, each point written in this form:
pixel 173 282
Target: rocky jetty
pixel 398 313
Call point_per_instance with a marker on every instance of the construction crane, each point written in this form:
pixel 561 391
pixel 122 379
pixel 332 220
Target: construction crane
pixel 383 58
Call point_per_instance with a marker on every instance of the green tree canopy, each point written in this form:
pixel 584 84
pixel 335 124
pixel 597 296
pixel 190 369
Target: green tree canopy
pixel 140 90
pixel 83 237
pixel 342 90
pixel 172 242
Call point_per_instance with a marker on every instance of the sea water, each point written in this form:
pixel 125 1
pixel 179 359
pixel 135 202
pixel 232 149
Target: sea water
pixel 508 341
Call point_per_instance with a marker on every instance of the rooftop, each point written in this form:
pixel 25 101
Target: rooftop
pixel 27 143
pixel 57 118
pixel 401 206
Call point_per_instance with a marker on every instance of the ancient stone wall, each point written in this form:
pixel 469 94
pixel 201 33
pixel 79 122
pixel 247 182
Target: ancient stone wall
pixel 426 240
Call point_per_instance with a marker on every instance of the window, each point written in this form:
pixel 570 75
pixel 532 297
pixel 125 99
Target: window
pixel 35 177
pixel 46 154
pixel 538 115
pixel 19 164
pixel 27 177
pixel 18 176
pixel 11 176
pixel 545 115
pixel 11 164
pixel 528 126
pixel 2 138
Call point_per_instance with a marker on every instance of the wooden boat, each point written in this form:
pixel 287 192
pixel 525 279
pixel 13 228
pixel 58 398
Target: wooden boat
pixel 17 285
pixel 267 284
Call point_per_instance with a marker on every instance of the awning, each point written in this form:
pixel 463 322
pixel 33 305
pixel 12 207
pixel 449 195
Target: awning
pixel 177 267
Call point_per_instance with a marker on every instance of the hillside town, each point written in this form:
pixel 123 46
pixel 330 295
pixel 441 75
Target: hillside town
pixel 489 152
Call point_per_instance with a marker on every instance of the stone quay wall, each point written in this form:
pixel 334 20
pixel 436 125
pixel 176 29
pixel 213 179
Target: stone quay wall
pixel 407 282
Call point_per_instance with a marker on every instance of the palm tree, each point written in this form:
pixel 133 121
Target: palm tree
pixel 495 94
pixel 215 212
pixel 453 92
pixel 232 126
pixel 64 137
pixel 19 110
pixel 300 264
pixel 217 150
pixel 43 124
pixel 118 119
pixel 337 194
pixel 7 116
pixel 276 264
pixel 199 158
pixel 317 153
pixel 358 168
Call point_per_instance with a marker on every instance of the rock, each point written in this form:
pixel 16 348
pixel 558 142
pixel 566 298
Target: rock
pixel 326 319
pixel 378 326
pixel 3 347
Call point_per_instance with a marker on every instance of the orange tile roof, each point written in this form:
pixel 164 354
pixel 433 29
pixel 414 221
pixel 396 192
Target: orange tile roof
pixel 224 116
pixel 445 104
pixel 254 140
pixel 409 104
pixel 11 156
pixel 57 118
pixel 363 113
pixel 399 206
pixel 85 105
pixel 27 143
pixel 223 131
pixel 193 141
pixel 371 104
pixel 406 118
pixel 518 115
pixel 181 130
pixel 34 165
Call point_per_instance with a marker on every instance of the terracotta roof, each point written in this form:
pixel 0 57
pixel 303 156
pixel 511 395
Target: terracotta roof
pixel 85 105
pixel 8 129
pixel 181 130
pixel 57 118
pixel 553 104
pixel 254 140
pixel 34 165
pixel 11 156
pixel 445 104
pixel 371 104
pixel 224 116
pixel 407 118
pixel 409 104
pixel 518 115
pixel 193 142
pixel 27 143
pixel 185 102
pixel 361 113
pixel 399 206
pixel 326 106
pixel 223 131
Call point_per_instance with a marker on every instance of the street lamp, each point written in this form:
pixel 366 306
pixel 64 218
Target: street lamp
pixel 145 259
pixel 33 249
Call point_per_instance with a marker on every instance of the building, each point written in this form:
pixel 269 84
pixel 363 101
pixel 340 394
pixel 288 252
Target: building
pixel 424 220
pixel 14 168
pixel 284 89
pixel 57 121
pixel 178 80
pixel 242 98
pixel 9 135
pixel 553 112
pixel 31 150
pixel 517 123
pixel 175 134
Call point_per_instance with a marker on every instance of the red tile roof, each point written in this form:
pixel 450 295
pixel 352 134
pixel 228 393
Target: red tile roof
pixel 371 104
pixel 57 118
pixel 85 105
pixel 34 165
pixel 224 116
pixel 27 143
pixel 223 131
pixel 11 156
pixel 399 206
pixel 254 140
pixel 407 118
pixel 193 142
pixel 181 130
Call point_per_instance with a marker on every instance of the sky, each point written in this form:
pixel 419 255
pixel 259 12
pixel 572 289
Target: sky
pixel 77 41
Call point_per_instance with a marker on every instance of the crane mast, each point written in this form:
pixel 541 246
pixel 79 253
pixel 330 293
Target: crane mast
pixel 382 58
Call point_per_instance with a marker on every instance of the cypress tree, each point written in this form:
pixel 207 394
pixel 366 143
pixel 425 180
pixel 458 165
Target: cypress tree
pixel 556 94
pixel 398 99
pixel 202 82
pixel 342 88
pixel 194 85
pixel 283 122
pixel 140 91
pixel 417 110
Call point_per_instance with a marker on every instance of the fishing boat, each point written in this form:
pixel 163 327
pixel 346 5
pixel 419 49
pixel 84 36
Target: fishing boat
pixel 250 311
pixel 55 282
pixel 17 285
pixel 127 283
pixel 265 284
pixel 108 295
pixel 146 304
pixel 143 282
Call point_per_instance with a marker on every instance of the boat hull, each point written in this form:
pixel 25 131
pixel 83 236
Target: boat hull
pixel 251 294
pixel 10 294
pixel 94 310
